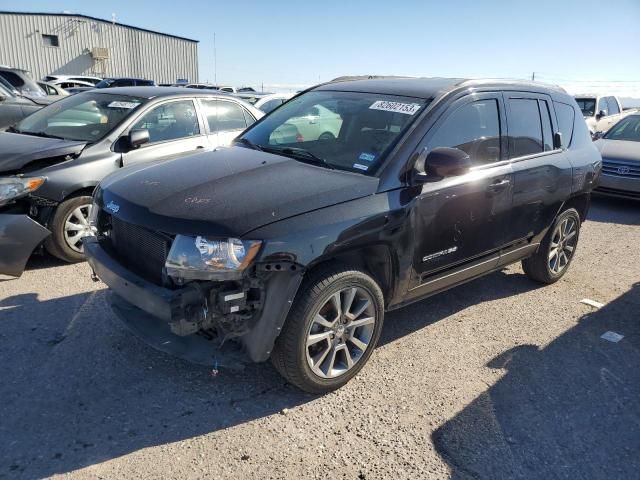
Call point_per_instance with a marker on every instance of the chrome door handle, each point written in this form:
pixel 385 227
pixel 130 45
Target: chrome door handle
pixel 499 185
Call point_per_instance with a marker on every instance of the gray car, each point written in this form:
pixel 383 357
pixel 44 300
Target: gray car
pixel 15 106
pixel 620 149
pixel 51 161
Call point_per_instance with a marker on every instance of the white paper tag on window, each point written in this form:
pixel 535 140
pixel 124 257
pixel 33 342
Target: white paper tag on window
pixel 127 105
pixel 397 107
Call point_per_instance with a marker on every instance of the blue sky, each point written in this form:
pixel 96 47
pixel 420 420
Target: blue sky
pixel 578 43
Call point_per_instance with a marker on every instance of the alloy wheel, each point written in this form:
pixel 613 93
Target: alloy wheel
pixel 76 227
pixel 340 332
pixel 563 244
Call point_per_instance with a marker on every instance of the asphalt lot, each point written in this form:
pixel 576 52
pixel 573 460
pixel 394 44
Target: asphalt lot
pixel 496 379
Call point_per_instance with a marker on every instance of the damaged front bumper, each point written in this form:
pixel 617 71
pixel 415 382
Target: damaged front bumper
pixel 19 237
pixel 165 318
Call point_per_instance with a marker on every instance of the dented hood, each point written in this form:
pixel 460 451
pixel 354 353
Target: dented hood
pixel 18 150
pixel 228 192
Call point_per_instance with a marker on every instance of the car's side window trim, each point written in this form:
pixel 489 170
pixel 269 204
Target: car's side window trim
pixel 554 124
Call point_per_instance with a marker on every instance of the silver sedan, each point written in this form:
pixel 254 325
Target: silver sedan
pixel 620 149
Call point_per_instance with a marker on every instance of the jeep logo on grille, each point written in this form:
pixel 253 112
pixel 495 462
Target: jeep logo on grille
pixel 113 207
pixel 623 170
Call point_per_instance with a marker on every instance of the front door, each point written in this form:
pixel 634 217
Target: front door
pixel 174 128
pixel 462 219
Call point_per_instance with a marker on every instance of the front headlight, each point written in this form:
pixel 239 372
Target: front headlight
pixel 12 188
pixel 202 258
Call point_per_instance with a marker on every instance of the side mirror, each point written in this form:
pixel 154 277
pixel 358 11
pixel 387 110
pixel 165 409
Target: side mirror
pixel 2 98
pixel 441 162
pixel 557 140
pixel 138 137
pixel 602 113
pixel 597 136
pixel 314 112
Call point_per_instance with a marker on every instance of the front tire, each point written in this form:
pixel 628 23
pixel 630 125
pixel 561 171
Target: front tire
pixel 331 330
pixel 69 226
pixel 552 260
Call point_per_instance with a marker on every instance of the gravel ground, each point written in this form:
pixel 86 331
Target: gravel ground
pixel 495 379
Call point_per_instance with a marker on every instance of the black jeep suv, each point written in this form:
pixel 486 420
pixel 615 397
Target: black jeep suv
pixel 352 199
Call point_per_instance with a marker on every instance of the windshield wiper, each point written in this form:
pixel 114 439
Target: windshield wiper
pixel 248 143
pixel 300 153
pixel 40 134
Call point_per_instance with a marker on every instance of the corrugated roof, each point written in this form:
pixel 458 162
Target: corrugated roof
pixel 79 15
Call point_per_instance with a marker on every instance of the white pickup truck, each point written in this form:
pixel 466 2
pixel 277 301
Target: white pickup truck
pixel 600 112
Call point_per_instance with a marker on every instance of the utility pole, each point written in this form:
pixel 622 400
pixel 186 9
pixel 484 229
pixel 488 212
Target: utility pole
pixel 533 77
pixel 215 62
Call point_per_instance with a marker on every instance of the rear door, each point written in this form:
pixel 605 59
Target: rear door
pixel 461 220
pixel 174 127
pixel 541 173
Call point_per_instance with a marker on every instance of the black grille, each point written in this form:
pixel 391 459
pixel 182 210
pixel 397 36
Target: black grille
pixel 621 169
pixel 142 251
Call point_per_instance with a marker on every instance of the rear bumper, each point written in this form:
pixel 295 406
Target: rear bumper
pixel 148 309
pixel 619 186
pixel 19 236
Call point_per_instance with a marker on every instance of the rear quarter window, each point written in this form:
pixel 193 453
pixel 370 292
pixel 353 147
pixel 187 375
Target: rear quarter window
pixel 566 117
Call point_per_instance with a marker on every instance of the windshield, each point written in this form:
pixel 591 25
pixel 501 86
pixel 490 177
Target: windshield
pixel 587 105
pixel 626 129
pixel 345 130
pixel 87 116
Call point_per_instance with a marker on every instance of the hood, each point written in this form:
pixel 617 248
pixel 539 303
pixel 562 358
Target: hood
pixel 619 149
pixel 228 192
pixel 18 150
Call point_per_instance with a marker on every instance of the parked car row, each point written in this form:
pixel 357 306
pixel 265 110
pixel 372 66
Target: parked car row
pixel 52 160
pixel 348 200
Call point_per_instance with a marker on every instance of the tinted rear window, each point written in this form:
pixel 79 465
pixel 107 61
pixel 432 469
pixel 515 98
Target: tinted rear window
pixel 566 116
pixel 525 129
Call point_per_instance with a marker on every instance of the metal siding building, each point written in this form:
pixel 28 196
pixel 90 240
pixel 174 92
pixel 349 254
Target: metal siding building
pixel 91 46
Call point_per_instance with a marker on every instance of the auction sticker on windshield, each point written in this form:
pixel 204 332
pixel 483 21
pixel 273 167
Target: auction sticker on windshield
pixel 397 107
pixel 118 104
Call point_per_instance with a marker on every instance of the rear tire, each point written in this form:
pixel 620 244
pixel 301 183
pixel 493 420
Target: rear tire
pixel 68 227
pixel 331 330
pixel 552 260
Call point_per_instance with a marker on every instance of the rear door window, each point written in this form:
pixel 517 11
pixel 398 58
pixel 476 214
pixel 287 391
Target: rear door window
pixel 223 115
pixel 473 128
pixel 566 116
pixel 525 127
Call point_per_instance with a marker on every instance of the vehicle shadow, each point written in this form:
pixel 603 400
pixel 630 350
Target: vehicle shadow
pixel 614 210
pixel 567 410
pixel 501 284
pixel 79 389
pixel 40 261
